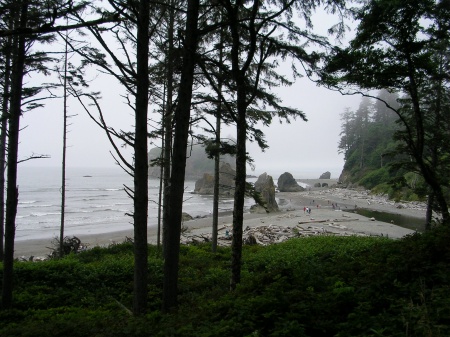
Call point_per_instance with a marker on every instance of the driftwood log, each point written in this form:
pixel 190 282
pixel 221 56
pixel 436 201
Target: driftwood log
pixel 270 234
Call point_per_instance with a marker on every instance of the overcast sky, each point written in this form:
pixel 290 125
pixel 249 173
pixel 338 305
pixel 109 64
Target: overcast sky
pixel 306 149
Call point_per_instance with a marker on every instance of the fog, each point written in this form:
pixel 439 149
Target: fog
pixel 305 149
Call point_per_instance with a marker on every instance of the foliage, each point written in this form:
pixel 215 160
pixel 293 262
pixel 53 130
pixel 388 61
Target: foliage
pixel 402 46
pixel 318 286
pixel 370 148
pixel 367 142
pixel 375 177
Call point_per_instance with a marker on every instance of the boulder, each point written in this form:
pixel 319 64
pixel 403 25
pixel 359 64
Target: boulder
pixel 326 175
pixel 287 183
pixel 186 217
pixel 265 186
pixel 205 185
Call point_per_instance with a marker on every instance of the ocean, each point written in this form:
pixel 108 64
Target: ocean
pixel 95 202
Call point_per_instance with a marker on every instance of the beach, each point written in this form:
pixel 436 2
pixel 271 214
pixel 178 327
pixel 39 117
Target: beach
pixel 331 212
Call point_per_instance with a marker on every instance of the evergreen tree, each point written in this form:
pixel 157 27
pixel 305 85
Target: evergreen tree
pixel 252 72
pixel 395 48
pixel 24 21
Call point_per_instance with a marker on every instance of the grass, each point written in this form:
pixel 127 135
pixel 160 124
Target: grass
pixel 318 286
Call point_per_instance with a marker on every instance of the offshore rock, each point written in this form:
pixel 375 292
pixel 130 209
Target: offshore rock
pixel 287 183
pixel 205 185
pixel 186 217
pixel 325 175
pixel 265 186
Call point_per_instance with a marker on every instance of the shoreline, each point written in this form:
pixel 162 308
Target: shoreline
pixel 292 214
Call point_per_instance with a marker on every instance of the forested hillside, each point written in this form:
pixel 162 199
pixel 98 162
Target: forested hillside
pixel 370 146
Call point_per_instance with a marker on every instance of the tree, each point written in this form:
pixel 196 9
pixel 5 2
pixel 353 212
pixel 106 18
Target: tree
pixel 362 122
pixel 254 49
pixel 32 23
pixel 394 49
pixel 6 76
pixel 141 161
pixel 134 77
pixel 170 61
pixel 367 142
pixel 18 68
pixel 182 114
pixel 64 151
pixel 19 16
pixel 217 144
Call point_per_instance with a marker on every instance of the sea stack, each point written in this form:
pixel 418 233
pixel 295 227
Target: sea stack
pixel 265 186
pixel 287 183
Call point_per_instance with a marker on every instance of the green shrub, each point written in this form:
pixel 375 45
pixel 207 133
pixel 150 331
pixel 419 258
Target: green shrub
pixel 318 286
pixel 374 178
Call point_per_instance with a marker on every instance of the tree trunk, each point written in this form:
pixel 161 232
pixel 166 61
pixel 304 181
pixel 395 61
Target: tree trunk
pixel 182 115
pixel 428 173
pixel 168 125
pixel 141 163
pixel 434 147
pixel 215 224
pixel 63 169
pixel 4 124
pixel 242 88
pixel 438 193
pixel 13 145
pixel 239 199
pixel 429 213
pixel 161 175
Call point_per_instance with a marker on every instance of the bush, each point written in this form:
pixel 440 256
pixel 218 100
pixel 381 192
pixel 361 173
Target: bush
pixel 374 178
pixel 318 286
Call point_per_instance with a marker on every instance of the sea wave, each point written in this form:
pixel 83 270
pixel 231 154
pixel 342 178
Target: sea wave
pixel 92 205
pixel 37 205
pixel 43 214
pixel 27 202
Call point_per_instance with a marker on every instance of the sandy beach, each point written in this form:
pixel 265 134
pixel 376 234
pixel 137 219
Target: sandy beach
pixel 323 217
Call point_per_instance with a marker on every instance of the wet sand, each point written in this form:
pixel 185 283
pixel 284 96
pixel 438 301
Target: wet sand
pixel 292 205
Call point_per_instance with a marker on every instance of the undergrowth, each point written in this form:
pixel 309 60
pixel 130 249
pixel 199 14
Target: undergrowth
pixel 318 286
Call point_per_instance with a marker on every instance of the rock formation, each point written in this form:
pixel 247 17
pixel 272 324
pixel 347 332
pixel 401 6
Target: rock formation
pixel 205 185
pixel 326 175
pixel 265 186
pixel 186 217
pixel 287 183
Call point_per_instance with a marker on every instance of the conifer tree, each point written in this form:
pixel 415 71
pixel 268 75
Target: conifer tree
pixel 396 47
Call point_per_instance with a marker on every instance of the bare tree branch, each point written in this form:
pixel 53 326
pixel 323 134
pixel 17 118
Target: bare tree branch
pixel 34 156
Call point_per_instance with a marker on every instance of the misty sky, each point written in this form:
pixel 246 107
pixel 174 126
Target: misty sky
pixel 306 149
